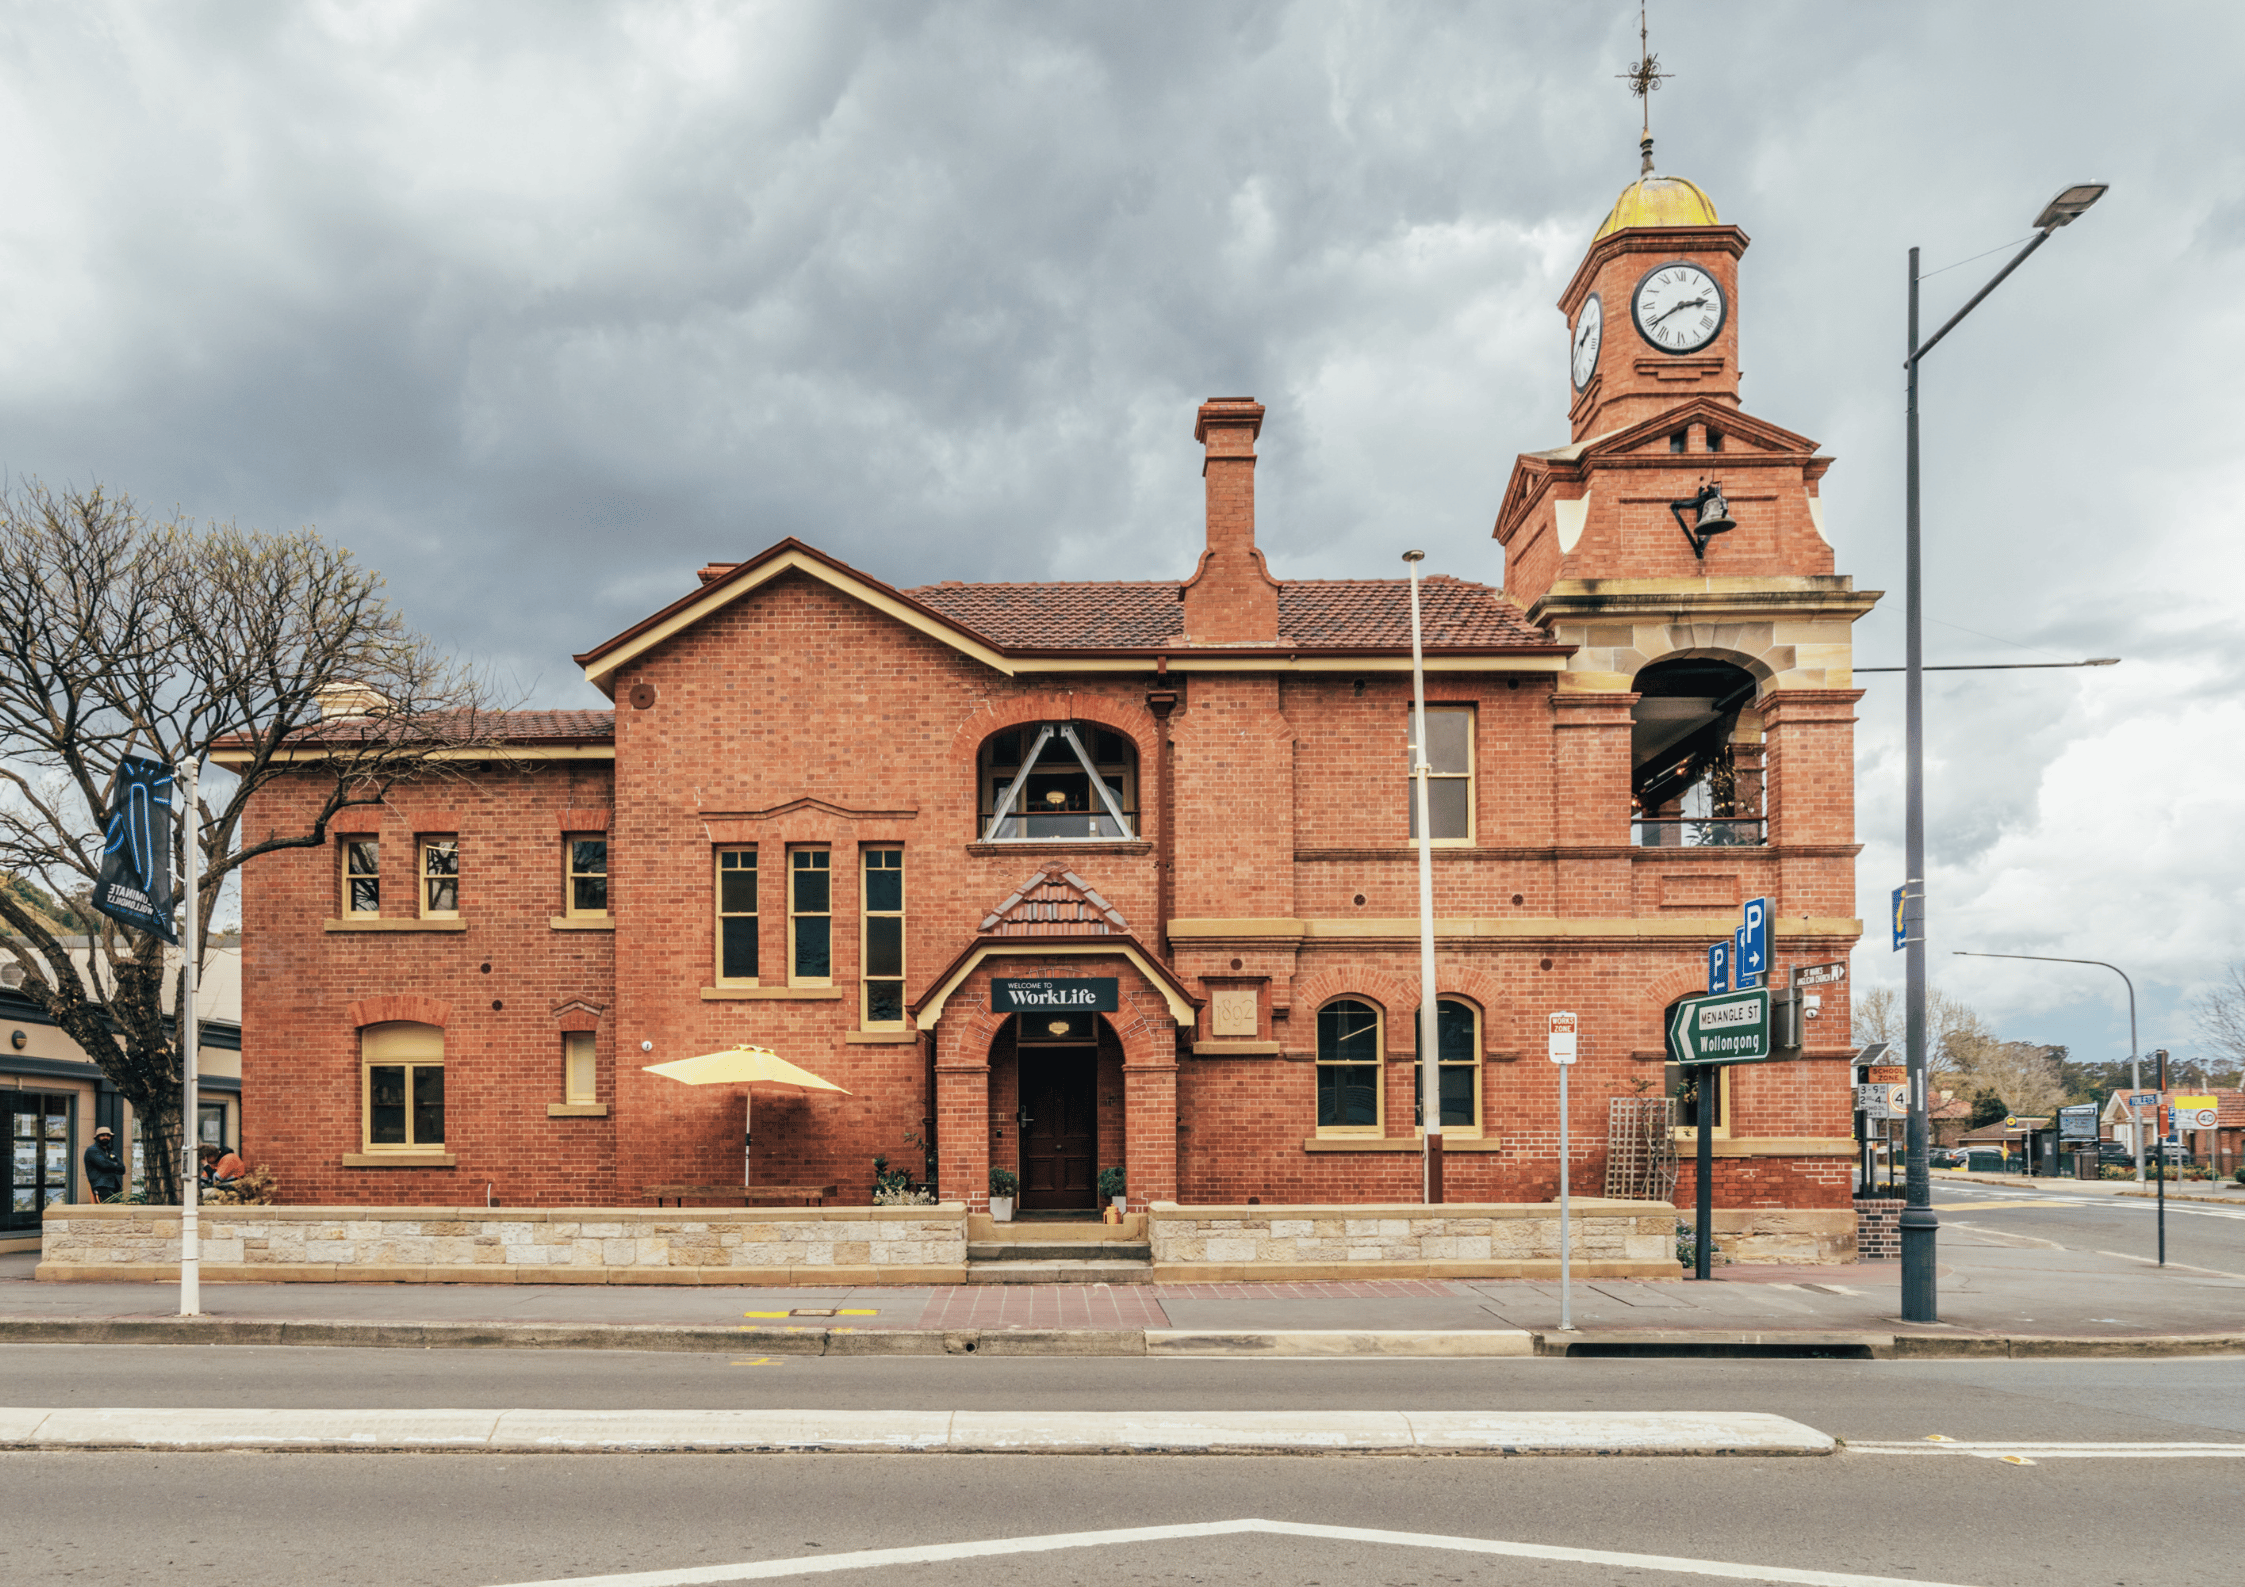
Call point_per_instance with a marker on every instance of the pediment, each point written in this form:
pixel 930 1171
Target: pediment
pixel 1740 430
pixel 1054 902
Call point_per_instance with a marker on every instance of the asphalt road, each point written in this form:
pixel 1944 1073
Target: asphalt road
pixel 1929 1515
pixel 2198 1234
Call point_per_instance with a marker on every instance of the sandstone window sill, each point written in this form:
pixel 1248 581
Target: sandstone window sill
pixel 580 923
pixel 880 1038
pixel 576 1110
pixel 1451 1144
pixel 400 1160
pixel 771 994
pixel 405 923
pixel 1221 1048
pixel 1062 846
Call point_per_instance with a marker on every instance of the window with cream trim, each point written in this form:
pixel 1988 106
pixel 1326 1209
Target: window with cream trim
pixel 362 876
pixel 1348 1068
pixel 1450 775
pixel 440 878
pixel 1457 1032
pixel 580 1080
pixel 402 1073
pixel 810 917
pixel 881 967
pixel 736 917
pixel 584 862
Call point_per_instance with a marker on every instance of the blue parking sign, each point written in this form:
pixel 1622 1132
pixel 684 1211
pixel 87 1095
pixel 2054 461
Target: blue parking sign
pixel 1753 943
pixel 1718 967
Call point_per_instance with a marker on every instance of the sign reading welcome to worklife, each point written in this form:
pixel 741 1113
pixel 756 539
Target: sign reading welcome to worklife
pixel 1094 994
pixel 1733 1028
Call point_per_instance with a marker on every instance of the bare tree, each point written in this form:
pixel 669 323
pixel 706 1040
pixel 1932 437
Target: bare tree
pixel 2023 1075
pixel 124 637
pixel 2221 1019
pixel 1948 1022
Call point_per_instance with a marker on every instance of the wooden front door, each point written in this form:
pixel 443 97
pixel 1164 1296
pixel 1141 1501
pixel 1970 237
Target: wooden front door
pixel 1060 1140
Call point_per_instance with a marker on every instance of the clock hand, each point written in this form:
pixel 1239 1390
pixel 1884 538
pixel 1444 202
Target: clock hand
pixel 1688 303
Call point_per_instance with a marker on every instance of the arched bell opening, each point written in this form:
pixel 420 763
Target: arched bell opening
pixel 1696 757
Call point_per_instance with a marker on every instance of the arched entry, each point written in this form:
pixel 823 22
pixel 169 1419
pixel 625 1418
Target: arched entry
pixel 1056 1059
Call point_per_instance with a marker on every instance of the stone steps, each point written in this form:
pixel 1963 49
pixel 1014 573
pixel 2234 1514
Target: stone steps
pixel 1059 1251
pixel 1106 1270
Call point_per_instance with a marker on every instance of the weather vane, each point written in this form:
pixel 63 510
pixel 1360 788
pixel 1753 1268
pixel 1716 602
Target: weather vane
pixel 1644 80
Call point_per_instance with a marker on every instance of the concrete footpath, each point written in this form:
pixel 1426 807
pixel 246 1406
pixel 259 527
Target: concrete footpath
pixel 1998 1296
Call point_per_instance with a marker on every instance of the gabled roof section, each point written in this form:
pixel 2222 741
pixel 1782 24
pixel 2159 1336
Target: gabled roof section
pixel 1055 902
pixel 721 589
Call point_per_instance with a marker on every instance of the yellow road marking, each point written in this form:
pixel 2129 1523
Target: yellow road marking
pixel 760 1361
pixel 868 1312
pixel 767 1314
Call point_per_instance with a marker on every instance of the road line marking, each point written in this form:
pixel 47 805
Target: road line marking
pixel 2129 1256
pixel 933 1553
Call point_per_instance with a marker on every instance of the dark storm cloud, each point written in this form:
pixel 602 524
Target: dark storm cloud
pixel 540 306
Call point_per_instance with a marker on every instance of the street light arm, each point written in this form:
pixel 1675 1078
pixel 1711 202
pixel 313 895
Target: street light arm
pixel 1973 302
pixel 2135 1074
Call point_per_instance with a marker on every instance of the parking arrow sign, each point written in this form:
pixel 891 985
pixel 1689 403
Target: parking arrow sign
pixel 1718 967
pixel 1753 943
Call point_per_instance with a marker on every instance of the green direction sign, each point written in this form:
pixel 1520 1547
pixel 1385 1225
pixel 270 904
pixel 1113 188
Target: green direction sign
pixel 1723 1028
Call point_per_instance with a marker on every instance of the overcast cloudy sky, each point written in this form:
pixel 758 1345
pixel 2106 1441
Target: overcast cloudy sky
pixel 538 306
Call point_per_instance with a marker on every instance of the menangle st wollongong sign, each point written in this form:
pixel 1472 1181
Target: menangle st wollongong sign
pixel 1722 1028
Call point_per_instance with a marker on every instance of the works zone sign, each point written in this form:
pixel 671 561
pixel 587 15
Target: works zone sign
pixel 1756 1026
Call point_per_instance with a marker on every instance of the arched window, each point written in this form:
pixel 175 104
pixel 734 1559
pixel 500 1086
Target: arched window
pixel 1696 768
pixel 1348 1068
pixel 403 1076
pixel 1457 1034
pixel 1055 781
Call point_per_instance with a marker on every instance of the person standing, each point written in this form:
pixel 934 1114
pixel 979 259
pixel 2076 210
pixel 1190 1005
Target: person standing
pixel 105 1170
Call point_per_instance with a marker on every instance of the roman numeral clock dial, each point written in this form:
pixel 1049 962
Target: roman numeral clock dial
pixel 1678 308
pixel 1589 327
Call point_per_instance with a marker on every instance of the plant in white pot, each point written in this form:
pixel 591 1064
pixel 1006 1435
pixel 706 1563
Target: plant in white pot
pixel 1111 1188
pixel 1004 1186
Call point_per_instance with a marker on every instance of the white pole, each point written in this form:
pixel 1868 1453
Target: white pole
pixel 1430 1052
pixel 190 1182
pixel 1566 1237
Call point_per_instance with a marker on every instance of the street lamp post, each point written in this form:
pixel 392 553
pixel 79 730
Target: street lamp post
pixel 1919 1303
pixel 2135 1068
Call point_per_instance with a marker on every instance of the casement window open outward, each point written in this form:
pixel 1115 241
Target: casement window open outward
pixel 1044 781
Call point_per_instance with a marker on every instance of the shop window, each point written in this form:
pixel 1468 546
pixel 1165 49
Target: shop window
pixel 1450 784
pixel 1683 1086
pixel 41 1154
pixel 1457 1034
pixel 362 876
pixel 586 862
pixel 404 1087
pixel 210 1124
pixel 1050 781
pixel 882 974
pixel 580 1081
pixel 1348 1068
pixel 440 878
pixel 810 918
pixel 736 917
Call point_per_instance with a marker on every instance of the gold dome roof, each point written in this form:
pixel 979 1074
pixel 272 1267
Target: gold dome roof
pixel 1660 201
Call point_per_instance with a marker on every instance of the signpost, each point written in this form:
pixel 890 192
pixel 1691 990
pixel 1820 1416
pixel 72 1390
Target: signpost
pixel 1563 1032
pixel 1706 1034
pixel 1753 942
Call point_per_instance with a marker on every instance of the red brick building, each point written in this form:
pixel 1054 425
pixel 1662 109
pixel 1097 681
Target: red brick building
pixel 827 816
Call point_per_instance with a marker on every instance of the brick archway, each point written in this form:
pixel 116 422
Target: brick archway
pixel 1142 1023
pixel 1054 705
pixel 410 1007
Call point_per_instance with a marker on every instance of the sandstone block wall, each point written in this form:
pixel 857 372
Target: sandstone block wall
pixel 1608 1239
pixel 516 1245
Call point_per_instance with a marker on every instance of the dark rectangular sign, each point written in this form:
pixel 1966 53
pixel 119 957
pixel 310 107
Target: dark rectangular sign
pixel 135 881
pixel 1096 994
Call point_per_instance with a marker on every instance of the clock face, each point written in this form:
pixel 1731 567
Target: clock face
pixel 1590 327
pixel 1678 308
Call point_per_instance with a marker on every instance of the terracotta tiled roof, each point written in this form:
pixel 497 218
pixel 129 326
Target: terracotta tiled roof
pixel 2232 1114
pixel 507 727
pixel 1313 614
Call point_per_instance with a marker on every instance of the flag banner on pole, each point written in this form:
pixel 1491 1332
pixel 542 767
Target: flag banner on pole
pixel 135 882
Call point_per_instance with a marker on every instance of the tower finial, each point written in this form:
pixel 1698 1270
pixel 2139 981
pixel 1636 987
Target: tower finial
pixel 1644 80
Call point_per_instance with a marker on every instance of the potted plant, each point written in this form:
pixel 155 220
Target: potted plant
pixel 1004 1186
pixel 1111 1188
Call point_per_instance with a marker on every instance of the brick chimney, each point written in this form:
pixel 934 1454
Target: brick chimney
pixel 1231 599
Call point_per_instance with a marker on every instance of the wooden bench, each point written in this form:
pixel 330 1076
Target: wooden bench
pixel 746 1195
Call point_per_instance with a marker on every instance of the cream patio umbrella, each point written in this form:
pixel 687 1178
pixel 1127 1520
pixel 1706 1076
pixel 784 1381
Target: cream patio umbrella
pixel 742 1065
